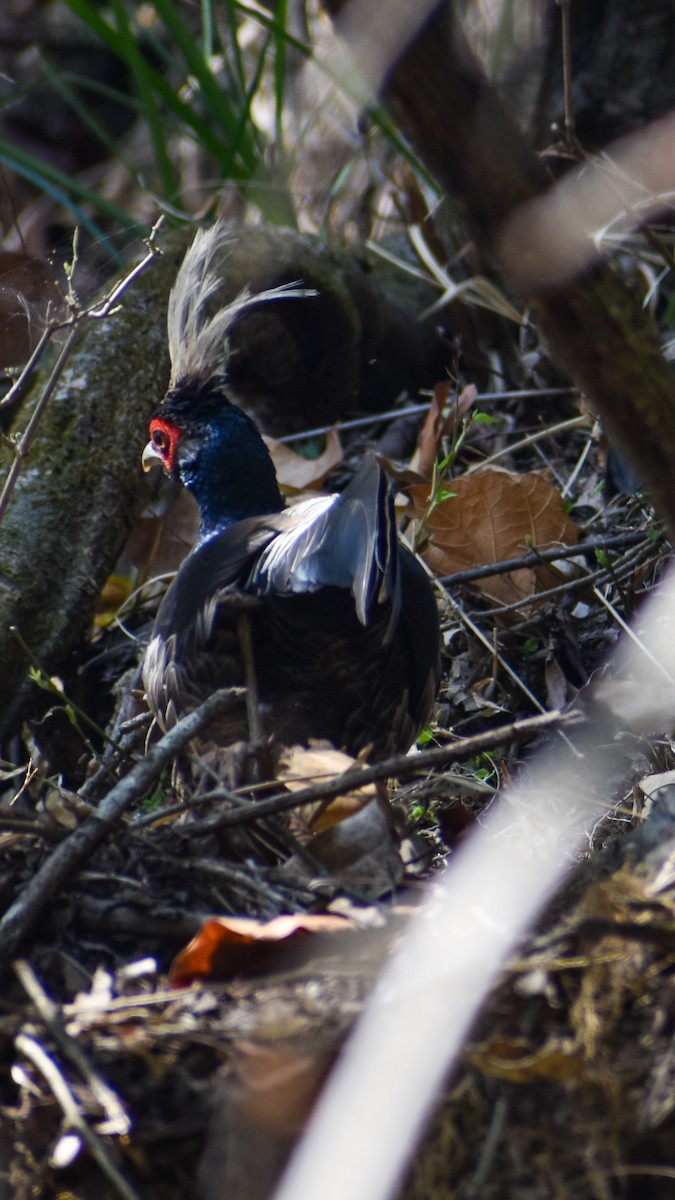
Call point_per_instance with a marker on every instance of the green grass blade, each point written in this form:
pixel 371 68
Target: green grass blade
pixel 280 44
pixel 67 86
pixel 143 78
pixel 91 17
pixel 217 103
pixel 208 29
pixel 376 111
pixel 66 190
pixel 220 119
pixel 210 136
pixel 232 55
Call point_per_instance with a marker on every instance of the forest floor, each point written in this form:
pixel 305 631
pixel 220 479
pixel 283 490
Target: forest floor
pixel 177 1002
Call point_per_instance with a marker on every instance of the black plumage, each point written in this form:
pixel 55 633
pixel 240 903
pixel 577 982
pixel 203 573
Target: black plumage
pixel 342 619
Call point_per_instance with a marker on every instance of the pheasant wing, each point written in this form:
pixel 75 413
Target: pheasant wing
pixel 346 541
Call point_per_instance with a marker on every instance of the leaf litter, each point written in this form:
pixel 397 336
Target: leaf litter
pixel 233 1064
pixel 261 1028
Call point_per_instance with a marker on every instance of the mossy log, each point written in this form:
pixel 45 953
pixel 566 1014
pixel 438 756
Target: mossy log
pixel 78 493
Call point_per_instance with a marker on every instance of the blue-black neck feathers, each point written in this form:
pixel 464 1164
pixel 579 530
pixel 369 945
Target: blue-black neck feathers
pixel 222 459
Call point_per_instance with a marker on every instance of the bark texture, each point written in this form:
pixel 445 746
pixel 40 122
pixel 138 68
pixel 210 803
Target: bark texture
pixel 79 490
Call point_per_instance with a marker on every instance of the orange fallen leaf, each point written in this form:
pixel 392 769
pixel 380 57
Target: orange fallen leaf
pixel 229 946
pixel 295 473
pixel 494 515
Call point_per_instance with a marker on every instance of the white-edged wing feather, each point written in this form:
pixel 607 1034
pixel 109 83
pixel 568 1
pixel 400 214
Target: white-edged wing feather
pixel 346 541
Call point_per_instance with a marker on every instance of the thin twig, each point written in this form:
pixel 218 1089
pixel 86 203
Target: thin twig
pixel 73 324
pixel 43 826
pixel 205 799
pixel 21 917
pixel 570 127
pixel 595 579
pixel 108 306
pixel 247 883
pixel 399 766
pixel 23 445
pixel 535 558
pixel 635 638
pixel 18 387
pixel 579 584
pixel 412 410
pixel 51 1073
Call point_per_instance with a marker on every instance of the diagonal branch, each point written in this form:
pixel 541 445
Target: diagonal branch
pixel 22 915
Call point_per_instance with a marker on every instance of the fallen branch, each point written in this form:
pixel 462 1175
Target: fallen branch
pixel 399 766
pixel 535 557
pixel 67 858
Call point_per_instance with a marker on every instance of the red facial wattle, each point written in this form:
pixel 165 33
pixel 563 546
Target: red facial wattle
pixel 161 449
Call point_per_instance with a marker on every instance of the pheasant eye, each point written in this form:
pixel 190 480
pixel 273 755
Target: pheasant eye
pixel 162 447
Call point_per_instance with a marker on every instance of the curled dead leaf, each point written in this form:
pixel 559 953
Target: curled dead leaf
pixel 514 1059
pixel 439 424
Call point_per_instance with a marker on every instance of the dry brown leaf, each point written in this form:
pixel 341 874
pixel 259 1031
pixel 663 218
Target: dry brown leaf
pixel 228 946
pixel 295 473
pixel 495 515
pixel 430 433
pixel 364 849
pixel 302 766
pixel 617 965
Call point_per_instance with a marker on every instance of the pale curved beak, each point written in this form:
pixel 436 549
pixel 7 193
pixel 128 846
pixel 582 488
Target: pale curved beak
pixel 151 457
